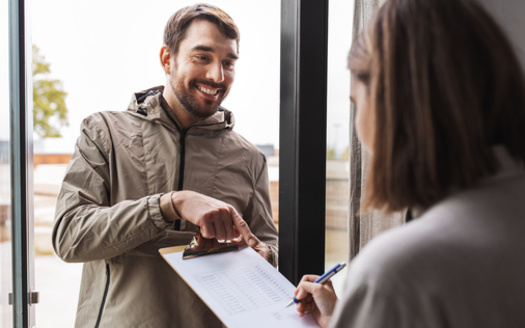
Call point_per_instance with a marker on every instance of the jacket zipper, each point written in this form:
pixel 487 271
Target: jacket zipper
pixel 182 145
pixel 182 159
pixel 103 297
pixel 176 225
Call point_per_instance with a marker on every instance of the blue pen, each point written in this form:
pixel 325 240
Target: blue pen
pixel 322 279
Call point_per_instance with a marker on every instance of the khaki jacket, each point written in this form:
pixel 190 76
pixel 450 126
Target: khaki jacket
pixel 108 214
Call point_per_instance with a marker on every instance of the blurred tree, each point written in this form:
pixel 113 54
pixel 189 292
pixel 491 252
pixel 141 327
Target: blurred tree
pixel 49 105
pixel 346 155
pixel 330 153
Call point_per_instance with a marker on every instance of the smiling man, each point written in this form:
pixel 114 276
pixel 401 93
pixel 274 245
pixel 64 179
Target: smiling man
pixel 154 175
pixel 200 70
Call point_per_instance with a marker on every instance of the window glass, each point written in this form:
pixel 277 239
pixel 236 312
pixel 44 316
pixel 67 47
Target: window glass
pixel 6 315
pixel 103 51
pixel 338 116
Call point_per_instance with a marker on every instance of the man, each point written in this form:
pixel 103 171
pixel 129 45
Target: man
pixel 154 175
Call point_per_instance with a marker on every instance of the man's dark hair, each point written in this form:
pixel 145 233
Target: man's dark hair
pixel 176 27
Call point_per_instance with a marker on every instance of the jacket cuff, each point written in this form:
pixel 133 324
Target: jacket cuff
pixel 169 213
pixel 155 212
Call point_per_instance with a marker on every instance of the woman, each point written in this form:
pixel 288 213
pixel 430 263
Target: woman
pixel 440 99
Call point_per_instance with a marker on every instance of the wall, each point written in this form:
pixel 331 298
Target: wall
pixel 511 16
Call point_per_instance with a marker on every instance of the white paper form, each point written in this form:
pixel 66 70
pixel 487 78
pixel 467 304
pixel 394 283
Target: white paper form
pixel 241 288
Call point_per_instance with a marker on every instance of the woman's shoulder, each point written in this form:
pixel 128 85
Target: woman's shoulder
pixel 398 250
pixel 486 218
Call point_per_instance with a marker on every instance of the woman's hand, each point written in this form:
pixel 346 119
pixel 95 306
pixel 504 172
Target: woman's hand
pixel 318 299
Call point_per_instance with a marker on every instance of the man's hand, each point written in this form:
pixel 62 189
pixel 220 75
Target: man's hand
pixel 259 247
pixel 263 250
pixel 318 299
pixel 215 218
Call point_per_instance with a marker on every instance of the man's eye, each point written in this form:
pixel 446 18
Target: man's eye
pixel 228 63
pixel 201 57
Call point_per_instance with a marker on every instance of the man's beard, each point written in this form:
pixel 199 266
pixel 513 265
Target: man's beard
pixel 189 101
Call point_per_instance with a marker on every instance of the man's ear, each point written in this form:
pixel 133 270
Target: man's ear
pixel 165 59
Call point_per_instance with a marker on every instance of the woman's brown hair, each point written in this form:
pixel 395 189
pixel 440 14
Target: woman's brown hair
pixel 445 86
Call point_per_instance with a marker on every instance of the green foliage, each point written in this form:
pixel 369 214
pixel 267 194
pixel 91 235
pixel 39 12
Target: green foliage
pixel 330 153
pixel 346 155
pixel 49 105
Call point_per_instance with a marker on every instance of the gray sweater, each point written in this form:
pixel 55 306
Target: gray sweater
pixel 460 264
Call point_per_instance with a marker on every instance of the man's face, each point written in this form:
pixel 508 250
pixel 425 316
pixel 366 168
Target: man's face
pixel 204 68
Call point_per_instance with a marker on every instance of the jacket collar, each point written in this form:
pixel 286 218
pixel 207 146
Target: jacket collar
pixel 151 106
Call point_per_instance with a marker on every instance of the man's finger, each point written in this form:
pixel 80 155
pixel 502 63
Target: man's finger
pixel 229 234
pixel 207 231
pixel 263 250
pixel 243 228
pixel 220 233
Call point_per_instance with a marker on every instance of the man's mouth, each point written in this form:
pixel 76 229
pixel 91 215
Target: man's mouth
pixel 208 90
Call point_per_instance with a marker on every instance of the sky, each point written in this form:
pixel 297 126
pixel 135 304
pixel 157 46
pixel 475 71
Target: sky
pixel 105 50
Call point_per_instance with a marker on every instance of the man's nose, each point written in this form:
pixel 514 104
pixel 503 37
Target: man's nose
pixel 215 72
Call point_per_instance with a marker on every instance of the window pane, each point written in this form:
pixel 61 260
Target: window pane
pixel 103 56
pixel 338 116
pixel 6 315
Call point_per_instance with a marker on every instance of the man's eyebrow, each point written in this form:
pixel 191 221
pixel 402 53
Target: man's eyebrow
pixel 203 48
pixel 210 49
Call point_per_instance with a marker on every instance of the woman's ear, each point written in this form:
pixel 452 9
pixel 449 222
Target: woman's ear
pixel 165 59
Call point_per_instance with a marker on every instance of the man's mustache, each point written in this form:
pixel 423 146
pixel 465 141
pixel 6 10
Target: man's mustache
pixel 210 84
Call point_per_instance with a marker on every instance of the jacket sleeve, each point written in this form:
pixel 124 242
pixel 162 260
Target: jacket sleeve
pixel 258 213
pixel 87 225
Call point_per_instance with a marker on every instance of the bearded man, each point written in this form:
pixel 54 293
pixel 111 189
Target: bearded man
pixel 156 174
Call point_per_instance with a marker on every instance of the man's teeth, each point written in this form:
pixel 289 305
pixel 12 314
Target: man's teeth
pixel 208 91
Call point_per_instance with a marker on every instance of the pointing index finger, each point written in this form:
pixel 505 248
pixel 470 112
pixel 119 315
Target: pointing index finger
pixel 243 228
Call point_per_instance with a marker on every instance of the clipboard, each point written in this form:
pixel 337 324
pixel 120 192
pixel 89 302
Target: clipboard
pixel 201 246
pixel 240 287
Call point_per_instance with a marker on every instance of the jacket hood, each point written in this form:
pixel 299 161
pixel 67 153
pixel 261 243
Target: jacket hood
pixel 151 105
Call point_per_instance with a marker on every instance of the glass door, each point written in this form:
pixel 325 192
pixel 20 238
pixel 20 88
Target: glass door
pixel 85 70
pixel 21 294
pixel 338 136
pixel 6 311
pixel 77 67
pixel 6 317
